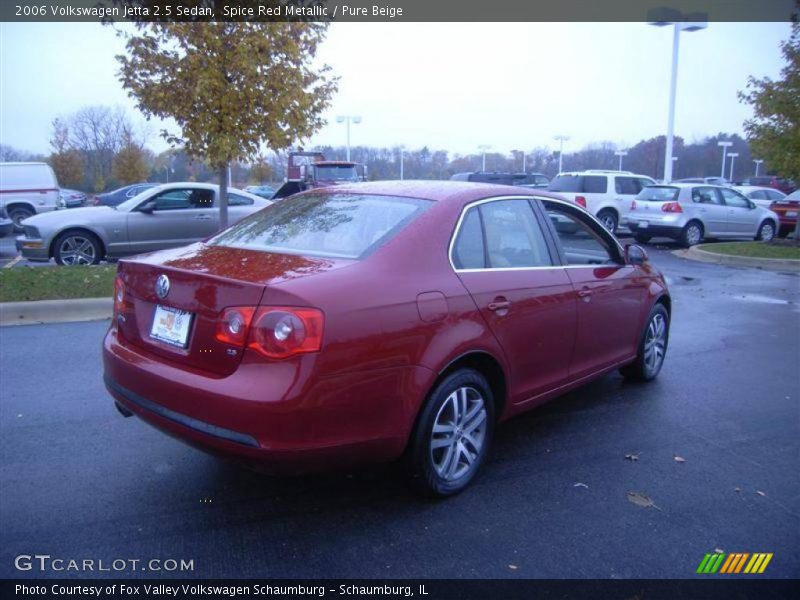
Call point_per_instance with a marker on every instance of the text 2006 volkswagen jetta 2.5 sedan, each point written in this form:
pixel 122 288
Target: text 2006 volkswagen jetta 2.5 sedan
pixel 376 321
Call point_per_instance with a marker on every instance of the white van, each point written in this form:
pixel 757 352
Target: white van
pixel 27 188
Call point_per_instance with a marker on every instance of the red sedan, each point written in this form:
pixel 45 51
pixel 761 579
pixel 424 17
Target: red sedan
pixel 380 320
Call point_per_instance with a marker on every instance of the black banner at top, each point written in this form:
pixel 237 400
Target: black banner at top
pixel 398 10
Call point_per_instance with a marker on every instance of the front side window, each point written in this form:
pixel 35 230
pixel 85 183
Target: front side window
pixel 582 242
pixel 734 199
pixel 179 199
pixel 328 225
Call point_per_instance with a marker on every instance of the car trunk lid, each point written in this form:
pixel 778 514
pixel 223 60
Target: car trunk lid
pixel 202 281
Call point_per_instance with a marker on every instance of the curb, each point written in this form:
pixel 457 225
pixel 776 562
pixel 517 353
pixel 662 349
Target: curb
pixel 769 264
pixel 55 311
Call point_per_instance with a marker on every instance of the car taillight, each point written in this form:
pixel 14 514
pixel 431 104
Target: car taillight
pixel 672 207
pixel 282 331
pixel 633 205
pixel 234 325
pixel 580 201
pixel 122 303
pixel 272 331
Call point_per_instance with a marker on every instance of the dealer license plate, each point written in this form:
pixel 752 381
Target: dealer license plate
pixel 171 326
pixel 644 224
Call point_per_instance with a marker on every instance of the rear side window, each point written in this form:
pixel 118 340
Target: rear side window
pixel 658 193
pixel 580 184
pixel 513 236
pixel 327 225
pixel 627 185
pixel 705 195
pixel 239 200
pixel 772 195
pixel 468 251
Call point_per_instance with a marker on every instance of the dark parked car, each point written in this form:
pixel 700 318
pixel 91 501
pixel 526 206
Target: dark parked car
pixel 6 224
pixel 371 321
pixel 118 196
pixel 535 180
pixel 71 198
pixel 787 186
pixel 264 191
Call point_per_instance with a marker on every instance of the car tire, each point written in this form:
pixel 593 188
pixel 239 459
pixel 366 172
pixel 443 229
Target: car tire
pixel 77 248
pixel 452 435
pixel 652 347
pixel 609 219
pixel 692 234
pixel 766 232
pixel 19 214
pixel 641 238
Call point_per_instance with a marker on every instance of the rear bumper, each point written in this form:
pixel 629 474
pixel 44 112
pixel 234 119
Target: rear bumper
pixel 265 414
pixel 654 229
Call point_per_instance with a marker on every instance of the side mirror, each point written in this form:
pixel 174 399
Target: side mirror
pixel 635 255
pixel 148 207
pixel 751 204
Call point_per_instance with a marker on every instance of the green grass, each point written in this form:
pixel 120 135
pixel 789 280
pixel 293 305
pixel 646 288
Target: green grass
pixel 755 250
pixel 55 283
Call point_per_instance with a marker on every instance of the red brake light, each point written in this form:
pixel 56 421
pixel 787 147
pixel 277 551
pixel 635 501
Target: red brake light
pixel 234 325
pixel 672 207
pixel 283 331
pixel 580 201
pixel 121 303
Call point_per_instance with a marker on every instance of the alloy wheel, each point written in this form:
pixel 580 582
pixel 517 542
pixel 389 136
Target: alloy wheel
pixel 693 235
pixel 655 344
pixel 77 250
pixel 767 232
pixel 459 433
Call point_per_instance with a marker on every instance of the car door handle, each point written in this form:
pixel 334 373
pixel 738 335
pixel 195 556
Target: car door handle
pixel 203 217
pixel 499 305
pixel 585 293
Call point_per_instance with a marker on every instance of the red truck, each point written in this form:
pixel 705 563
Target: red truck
pixel 307 170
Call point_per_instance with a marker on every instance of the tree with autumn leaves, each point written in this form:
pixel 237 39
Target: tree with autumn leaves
pixel 231 88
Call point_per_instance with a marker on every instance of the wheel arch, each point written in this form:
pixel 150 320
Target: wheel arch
pixel 488 366
pixel 78 229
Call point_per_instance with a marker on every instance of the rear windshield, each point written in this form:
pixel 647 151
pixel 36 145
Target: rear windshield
pixel 658 193
pixel 579 184
pixel 328 225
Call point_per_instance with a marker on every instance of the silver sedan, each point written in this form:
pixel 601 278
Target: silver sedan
pixel 165 216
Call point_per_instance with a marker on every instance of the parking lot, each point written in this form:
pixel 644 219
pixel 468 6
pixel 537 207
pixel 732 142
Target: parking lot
pixel 79 481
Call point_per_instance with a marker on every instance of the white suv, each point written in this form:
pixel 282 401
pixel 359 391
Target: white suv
pixel 27 189
pixel 606 194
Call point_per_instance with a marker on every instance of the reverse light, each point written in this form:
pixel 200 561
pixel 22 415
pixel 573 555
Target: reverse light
pixel 234 324
pixel 671 207
pixel 121 302
pixel 580 201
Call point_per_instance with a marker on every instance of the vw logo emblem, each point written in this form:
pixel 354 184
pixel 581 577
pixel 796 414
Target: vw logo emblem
pixel 162 286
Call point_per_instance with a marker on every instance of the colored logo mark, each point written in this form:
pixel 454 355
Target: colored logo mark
pixel 735 562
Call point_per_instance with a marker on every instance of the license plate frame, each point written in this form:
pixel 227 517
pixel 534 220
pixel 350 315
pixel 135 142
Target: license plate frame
pixel 644 224
pixel 171 326
pixel 791 213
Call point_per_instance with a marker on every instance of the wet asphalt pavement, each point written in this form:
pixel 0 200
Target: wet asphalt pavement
pixel 79 481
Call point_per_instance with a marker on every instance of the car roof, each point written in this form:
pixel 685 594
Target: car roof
pixel 753 188
pixel 601 172
pixel 437 191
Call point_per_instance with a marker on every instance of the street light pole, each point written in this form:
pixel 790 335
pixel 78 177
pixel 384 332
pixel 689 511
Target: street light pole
pixel 560 139
pixel 758 162
pixel 483 148
pixel 679 23
pixel 725 146
pixel 621 153
pixel 347 119
pixel 732 156
pixel 402 152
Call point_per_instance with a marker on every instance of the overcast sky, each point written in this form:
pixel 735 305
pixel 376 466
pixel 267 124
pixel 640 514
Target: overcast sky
pixel 447 86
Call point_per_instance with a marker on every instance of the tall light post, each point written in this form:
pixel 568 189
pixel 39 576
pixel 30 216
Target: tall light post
pixel 621 153
pixel 680 22
pixel 483 148
pixel 732 156
pixel 348 119
pixel 560 139
pixel 758 162
pixel 725 146
pixel 402 152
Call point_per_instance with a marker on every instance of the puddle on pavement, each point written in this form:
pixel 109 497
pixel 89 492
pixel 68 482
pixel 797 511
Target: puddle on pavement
pixel 760 299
